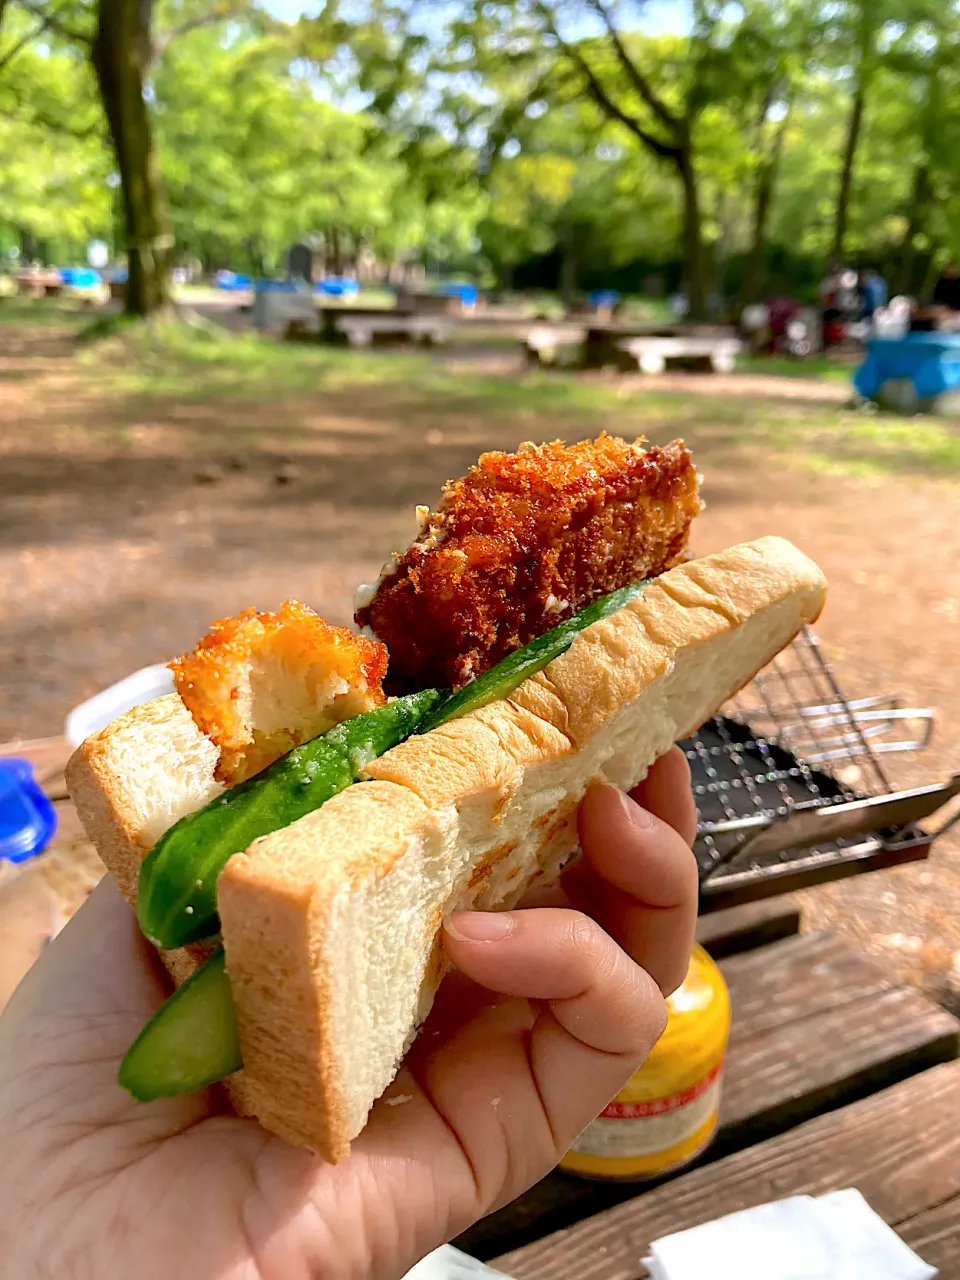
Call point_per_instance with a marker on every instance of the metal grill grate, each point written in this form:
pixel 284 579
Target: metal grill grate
pixel 785 750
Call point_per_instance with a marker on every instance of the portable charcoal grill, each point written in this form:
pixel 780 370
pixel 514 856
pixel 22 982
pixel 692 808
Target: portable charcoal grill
pixel 789 786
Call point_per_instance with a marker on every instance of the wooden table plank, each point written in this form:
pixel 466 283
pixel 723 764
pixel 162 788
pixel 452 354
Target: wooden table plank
pixel 935 1235
pixel 801 976
pixel 48 757
pixel 815 1025
pixel 900 1147
pixel 788 1074
pixel 725 933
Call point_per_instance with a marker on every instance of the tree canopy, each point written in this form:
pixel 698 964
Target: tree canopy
pixel 554 142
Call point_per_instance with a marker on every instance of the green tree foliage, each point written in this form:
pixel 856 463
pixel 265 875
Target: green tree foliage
pixel 490 133
pixel 53 165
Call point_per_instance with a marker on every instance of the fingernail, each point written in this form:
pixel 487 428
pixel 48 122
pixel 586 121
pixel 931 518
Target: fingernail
pixel 634 813
pixel 479 926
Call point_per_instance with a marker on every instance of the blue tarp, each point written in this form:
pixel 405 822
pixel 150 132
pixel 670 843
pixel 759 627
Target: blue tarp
pixel 338 287
pixel 80 277
pixel 603 298
pixel 931 361
pixel 232 282
pixel 467 293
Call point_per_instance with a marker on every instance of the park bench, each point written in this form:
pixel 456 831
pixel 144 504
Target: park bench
pixel 390 327
pixel 643 347
pixel 39 284
pixel 543 342
pixel 650 354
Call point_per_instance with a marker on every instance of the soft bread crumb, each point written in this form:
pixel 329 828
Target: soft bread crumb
pixel 259 684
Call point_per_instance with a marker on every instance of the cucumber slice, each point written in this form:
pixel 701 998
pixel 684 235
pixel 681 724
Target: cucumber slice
pixel 190 1042
pixel 501 680
pixel 177 892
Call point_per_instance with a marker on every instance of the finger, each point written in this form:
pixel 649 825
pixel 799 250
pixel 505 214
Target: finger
pixel 599 1016
pixel 639 880
pixel 597 993
pixel 666 792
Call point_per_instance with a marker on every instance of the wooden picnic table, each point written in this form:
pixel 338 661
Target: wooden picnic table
pixel 362 327
pixel 838 1074
pixel 644 347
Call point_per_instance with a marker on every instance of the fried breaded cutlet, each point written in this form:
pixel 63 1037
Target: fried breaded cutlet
pixel 521 542
pixel 260 684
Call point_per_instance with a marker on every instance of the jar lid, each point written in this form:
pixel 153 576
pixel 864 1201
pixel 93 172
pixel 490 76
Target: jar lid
pixel 27 818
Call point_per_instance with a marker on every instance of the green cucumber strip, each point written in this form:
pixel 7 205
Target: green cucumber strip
pixel 177 892
pixel 190 1042
pixel 501 680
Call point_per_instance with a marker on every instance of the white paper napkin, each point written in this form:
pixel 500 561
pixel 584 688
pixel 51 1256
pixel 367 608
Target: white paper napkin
pixel 832 1237
pixel 448 1263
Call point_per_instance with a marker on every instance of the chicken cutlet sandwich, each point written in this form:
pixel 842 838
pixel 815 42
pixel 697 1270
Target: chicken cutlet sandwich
pixel 295 822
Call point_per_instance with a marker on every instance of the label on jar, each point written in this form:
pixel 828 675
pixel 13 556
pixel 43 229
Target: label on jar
pixel 645 1128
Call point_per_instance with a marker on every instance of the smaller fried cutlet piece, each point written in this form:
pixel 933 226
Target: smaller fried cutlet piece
pixel 260 684
pixel 521 542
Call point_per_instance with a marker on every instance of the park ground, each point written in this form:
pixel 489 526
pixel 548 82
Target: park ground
pixel 149 484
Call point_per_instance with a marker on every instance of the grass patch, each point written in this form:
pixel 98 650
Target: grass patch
pixel 821 368
pixel 200 363
pixel 66 314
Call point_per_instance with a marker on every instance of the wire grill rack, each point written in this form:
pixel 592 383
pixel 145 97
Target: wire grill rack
pixel 790 787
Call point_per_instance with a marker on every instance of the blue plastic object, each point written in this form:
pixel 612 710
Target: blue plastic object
pixel 338 287
pixel 231 282
pixel 603 298
pixel 27 818
pixel 467 293
pixel 80 277
pixel 930 361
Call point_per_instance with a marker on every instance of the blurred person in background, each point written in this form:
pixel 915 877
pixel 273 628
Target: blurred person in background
pixel 873 293
pixel 946 292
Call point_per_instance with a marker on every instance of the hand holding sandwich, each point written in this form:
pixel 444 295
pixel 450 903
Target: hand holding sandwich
pixel 551 1010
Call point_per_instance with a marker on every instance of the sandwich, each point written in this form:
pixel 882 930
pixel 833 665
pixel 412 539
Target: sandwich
pixel 295 822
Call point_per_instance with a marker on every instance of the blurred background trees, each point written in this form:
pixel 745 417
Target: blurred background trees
pixel 562 144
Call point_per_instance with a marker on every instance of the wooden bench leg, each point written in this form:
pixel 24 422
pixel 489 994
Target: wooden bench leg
pixel 723 363
pixel 651 362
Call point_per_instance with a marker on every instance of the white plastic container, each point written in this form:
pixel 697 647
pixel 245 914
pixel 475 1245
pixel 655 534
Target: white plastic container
pixel 97 712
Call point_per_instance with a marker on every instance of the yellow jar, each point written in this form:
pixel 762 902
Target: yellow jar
pixel 667 1114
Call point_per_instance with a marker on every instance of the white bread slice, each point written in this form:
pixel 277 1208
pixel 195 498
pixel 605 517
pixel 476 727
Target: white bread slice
pixel 330 925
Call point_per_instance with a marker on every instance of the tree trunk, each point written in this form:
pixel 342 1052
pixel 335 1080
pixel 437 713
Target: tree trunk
pixel 694 274
pixel 920 195
pixel 28 246
pixel 121 57
pixel 335 262
pixel 753 270
pixel 846 173
pixel 568 266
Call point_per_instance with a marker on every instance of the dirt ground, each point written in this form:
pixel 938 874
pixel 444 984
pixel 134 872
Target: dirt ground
pixel 126 526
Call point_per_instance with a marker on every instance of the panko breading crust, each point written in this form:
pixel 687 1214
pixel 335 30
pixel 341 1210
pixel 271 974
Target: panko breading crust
pixel 523 541
pixel 259 684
